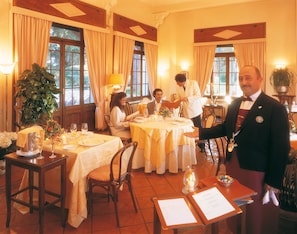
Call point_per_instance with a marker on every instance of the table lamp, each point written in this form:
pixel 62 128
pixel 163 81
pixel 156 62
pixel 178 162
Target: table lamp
pixel 116 81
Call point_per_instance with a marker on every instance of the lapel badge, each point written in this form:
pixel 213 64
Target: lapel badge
pixel 259 107
pixel 259 119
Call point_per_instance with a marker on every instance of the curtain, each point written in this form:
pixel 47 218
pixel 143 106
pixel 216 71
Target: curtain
pixel 151 55
pixel 31 37
pixel 251 53
pixel 96 57
pixel 203 60
pixel 123 57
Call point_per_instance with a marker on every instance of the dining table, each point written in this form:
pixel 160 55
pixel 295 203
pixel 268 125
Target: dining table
pixel 162 144
pixel 85 152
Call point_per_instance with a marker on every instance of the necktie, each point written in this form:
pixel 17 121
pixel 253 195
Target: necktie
pixel 246 99
pixel 184 88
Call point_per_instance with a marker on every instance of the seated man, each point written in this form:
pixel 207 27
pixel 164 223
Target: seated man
pixel 154 106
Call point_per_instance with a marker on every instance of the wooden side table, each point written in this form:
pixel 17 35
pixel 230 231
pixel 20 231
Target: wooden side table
pixel 40 166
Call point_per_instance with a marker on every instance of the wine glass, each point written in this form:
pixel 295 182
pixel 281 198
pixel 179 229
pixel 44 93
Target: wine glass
pixel 53 149
pixel 84 128
pixel 73 129
pixel 39 142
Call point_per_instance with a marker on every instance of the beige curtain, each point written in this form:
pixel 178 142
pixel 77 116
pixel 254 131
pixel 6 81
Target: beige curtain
pixel 96 57
pixel 31 36
pixel 251 53
pixel 151 55
pixel 123 56
pixel 203 62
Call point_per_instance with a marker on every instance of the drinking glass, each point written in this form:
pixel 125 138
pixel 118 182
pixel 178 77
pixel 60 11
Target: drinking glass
pixel 52 147
pixel 39 142
pixel 73 129
pixel 84 128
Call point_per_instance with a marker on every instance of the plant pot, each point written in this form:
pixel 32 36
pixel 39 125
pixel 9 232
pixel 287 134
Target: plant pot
pixel 282 90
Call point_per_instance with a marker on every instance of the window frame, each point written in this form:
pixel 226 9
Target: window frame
pixel 227 56
pixel 143 75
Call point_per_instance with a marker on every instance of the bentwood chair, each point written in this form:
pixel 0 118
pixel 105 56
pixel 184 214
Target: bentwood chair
pixel 221 145
pixel 208 122
pixel 125 140
pixel 112 177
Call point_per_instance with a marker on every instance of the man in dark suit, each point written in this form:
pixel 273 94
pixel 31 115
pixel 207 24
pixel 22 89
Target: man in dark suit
pixel 257 128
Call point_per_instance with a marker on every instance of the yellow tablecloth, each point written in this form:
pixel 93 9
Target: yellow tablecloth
pixel 81 160
pixel 162 145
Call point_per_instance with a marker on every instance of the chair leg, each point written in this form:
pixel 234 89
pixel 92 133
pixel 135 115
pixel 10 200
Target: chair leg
pixel 115 202
pixel 209 147
pixel 90 199
pixel 132 195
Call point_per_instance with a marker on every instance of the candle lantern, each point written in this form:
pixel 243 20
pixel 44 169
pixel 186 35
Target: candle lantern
pixel 190 180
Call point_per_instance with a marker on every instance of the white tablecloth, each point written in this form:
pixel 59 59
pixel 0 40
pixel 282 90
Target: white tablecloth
pixel 81 160
pixel 162 145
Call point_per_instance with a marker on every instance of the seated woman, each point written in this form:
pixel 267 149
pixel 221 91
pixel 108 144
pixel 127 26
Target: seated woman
pixel 119 125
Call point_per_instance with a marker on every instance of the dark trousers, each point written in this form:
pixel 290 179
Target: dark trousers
pixel 197 121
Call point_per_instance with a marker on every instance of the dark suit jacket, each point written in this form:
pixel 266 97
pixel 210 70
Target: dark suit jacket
pixel 151 107
pixel 264 139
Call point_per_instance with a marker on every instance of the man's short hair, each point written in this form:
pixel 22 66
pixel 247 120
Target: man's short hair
pixel 157 90
pixel 180 77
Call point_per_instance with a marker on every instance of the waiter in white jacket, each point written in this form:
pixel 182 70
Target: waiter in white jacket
pixel 189 93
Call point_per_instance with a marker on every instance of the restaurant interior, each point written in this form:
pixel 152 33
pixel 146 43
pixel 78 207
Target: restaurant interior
pixel 175 36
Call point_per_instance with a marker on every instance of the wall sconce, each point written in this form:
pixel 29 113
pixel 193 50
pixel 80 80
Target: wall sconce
pixel 116 81
pixel 184 66
pixel 6 69
pixel 190 181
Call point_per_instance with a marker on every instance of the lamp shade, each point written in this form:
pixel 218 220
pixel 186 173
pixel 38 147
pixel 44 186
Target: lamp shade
pixel 6 68
pixel 116 79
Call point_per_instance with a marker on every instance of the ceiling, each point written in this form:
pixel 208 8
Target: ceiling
pixel 171 5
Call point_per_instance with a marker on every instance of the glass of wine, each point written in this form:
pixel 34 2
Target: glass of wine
pixel 73 129
pixel 84 128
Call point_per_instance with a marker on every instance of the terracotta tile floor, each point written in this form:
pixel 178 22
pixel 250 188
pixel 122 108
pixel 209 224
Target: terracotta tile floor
pixel 103 220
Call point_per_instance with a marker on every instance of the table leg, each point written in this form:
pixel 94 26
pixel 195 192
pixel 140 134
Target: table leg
pixel 41 185
pixel 63 193
pixel 8 192
pixel 157 224
pixel 31 184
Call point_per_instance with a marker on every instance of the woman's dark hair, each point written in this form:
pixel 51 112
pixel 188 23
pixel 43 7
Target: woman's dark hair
pixel 115 100
pixel 180 77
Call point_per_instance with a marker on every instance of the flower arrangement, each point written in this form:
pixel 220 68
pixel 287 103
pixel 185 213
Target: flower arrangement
pixel 165 112
pixel 7 143
pixel 6 139
pixel 52 129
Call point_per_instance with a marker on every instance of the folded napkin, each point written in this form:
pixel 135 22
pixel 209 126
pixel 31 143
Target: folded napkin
pixel 23 135
pixel 270 194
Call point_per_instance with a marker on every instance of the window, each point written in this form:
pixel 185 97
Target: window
pixel 138 86
pixel 67 61
pixel 224 78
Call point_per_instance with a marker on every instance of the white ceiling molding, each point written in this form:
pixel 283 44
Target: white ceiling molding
pixel 159 18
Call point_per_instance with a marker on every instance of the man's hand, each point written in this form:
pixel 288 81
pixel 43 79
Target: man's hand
pixel 193 134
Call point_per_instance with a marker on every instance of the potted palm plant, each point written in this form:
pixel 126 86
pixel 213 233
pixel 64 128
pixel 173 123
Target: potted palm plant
pixel 281 79
pixel 36 90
